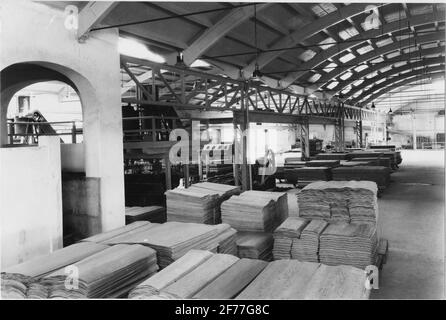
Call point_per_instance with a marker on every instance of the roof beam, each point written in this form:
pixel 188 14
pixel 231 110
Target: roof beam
pixel 307 31
pixel 354 41
pixel 218 31
pixel 362 74
pixel 416 73
pixel 91 14
pixel 376 53
pixel 395 71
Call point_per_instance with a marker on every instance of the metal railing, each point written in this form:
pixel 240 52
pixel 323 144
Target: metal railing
pixel 28 132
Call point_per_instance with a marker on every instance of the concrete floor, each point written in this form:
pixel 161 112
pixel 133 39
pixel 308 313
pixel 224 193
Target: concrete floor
pixel 411 218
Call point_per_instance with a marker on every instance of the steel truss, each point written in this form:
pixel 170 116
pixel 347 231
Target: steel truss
pixel 191 89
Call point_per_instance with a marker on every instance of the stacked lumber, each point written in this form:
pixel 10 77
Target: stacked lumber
pixel 306 248
pixel 376 161
pixel 153 286
pixel 191 205
pixel 232 281
pixel 332 156
pixel 199 203
pixel 255 245
pixel 294 162
pixel 172 240
pixel 284 236
pixel 253 211
pixel 323 163
pixel 14 286
pixel 349 244
pixel 379 175
pixel 339 201
pixel 292 280
pixel 307 175
pixel 345 163
pixel 155 214
pixel 109 273
pixel 280 199
pixel 364 154
pixel 44 265
pixel 226 239
pixel 191 283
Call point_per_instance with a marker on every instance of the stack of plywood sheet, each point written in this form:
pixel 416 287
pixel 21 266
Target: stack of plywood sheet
pixel 183 282
pixel 41 266
pixel 172 240
pixel 280 199
pixel 199 203
pixel 110 273
pixel 292 280
pixel 323 163
pixel 376 161
pixel 364 154
pixel 339 201
pixel 307 175
pixel 226 239
pixel 155 214
pixel 284 236
pixel 332 156
pixel 349 244
pixel 294 162
pixel 306 248
pixel 191 205
pixel 379 175
pixel 255 245
pixel 251 211
pixel 153 286
pixel 346 163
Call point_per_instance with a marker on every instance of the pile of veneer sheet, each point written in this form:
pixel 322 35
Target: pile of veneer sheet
pixel 364 154
pixel 110 273
pixel 332 156
pixel 172 240
pixel 284 236
pixel 199 203
pixel 14 286
pixel 200 275
pixel 255 211
pixel 292 280
pixel 155 214
pixel 349 244
pixel 255 245
pixel 339 201
pixel 294 162
pixel 306 248
pixel 306 175
pixel 41 266
pixel 323 163
pixel 379 175
pixel 376 161
pixel 345 163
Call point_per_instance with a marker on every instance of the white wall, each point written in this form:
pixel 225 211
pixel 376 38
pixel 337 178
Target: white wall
pixel 34 32
pixel 30 201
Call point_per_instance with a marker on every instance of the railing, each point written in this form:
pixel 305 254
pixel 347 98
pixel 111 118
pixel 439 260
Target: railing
pixel 29 132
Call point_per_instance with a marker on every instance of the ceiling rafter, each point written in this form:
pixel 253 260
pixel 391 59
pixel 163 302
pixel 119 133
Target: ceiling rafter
pixel 308 30
pixel 394 71
pixel 331 76
pixel 387 28
pixel 373 68
pixel 415 73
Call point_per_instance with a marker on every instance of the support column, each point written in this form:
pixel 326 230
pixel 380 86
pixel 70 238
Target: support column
pixel 305 138
pixel 339 135
pixel 358 126
pixel 414 132
pixel 246 172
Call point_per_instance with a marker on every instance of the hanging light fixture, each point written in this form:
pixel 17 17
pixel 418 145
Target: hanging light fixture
pixel 390 110
pixel 373 105
pixel 256 75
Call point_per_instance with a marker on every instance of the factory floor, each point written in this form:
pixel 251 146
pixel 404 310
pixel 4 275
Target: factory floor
pixel 411 218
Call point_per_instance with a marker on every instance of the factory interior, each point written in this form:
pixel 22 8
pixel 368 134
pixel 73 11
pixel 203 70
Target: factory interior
pixel 222 150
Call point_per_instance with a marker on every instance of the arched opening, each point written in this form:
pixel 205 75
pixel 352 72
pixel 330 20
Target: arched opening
pixel 44 99
pixel 50 108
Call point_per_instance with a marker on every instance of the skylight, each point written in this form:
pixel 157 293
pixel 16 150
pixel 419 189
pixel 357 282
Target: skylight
pixel 348 33
pixel 332 85
pixel 136 49
pixel 365 49
pixel 329 40
pixel 330 67
pixel 347 58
